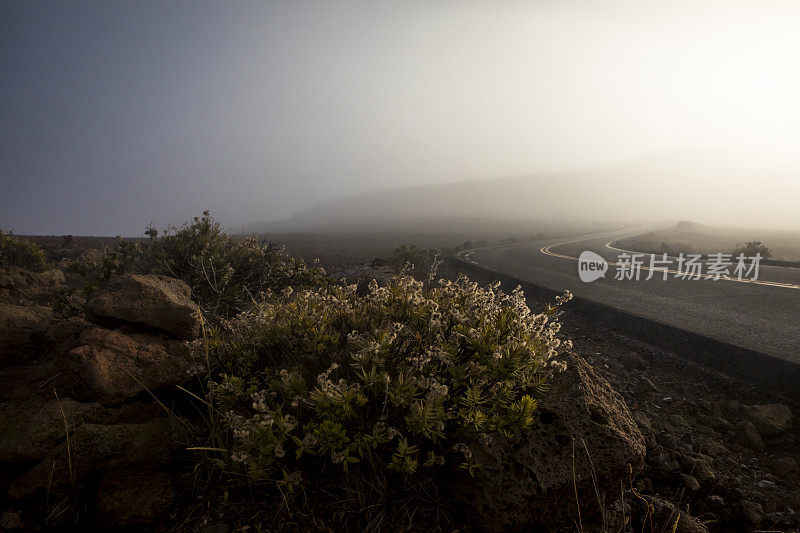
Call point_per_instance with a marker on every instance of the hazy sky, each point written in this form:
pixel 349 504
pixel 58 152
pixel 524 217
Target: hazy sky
pixel 115 113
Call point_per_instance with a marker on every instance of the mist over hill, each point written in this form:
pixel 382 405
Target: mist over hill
pixel 712 190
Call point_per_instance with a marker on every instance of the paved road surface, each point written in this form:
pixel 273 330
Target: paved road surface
pixel 762 316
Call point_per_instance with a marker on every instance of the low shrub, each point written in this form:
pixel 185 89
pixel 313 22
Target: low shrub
pixel 226 274
pixel 327 392
pixel 16 252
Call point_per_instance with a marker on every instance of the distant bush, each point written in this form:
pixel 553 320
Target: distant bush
pixel 751 248
pixel 226 274
pixel 420 260
pixel 327 392
pixel 16 252
pixel 676 248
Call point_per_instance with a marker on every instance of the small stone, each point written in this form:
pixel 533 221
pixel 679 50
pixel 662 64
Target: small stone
pixel 644 385
pixel 716 501
pixel 722 425
pixel 752 512
pixel 642 420
pixel 691 482
pixel 664 464
pixel 767 484
pixel 678 421
pixel 779 519
pixel 667 440
pixel 632 361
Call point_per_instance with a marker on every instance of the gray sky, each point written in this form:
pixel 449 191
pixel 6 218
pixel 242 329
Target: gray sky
pixel 114 113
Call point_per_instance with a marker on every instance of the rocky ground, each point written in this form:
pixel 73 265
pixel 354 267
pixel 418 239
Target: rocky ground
pixel 81 441
pixel 633 438
pixel 717 449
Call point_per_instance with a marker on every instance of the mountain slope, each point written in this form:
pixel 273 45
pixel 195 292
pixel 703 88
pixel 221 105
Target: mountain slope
pixel 655 189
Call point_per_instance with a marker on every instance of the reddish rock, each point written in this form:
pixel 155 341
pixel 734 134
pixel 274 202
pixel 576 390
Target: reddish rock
pixel 584 429
pixel 633 361
pixel 770 419
pixel 157 302
pixel 745 434
pixel 17 323
pixel 96 448
pixel 118 366
pixel 28 434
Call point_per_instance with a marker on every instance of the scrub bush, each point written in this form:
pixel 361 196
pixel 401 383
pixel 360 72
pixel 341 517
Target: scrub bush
pixel 16 252
pixel 751 248
pixel 328 392
pixel 226 274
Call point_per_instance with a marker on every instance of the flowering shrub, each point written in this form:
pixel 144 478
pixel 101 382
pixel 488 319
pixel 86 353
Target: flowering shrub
pixel 19 253
pixel 397 383
pixel 225 274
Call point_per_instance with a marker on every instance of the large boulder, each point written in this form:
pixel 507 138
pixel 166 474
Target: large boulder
pixel 158 302
pixel 25 285
pixel 746 434
pixel 584 440
pixel 769 419
pixel 98 448
pixel 29 434
pixel 58 336
pixel 17 322
pixel 118 366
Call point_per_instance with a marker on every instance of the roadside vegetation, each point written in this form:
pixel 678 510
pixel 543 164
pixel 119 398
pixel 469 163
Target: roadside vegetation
pixel 373 400
pixel 360 407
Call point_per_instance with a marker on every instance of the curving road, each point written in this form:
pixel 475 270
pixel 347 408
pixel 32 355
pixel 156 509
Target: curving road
pixel 762 315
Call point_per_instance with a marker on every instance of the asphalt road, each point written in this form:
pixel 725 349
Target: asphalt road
pixel 763 316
